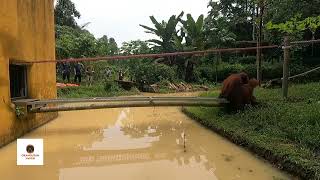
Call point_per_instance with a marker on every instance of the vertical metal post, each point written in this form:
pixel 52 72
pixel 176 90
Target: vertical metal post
pixel 286 58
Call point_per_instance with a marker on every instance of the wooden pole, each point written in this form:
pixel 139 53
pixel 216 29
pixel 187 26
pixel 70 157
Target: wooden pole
pixel 258 61
pixel 216 67
pixel 286 58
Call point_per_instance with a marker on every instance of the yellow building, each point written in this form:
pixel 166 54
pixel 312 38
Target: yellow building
pixel 26 34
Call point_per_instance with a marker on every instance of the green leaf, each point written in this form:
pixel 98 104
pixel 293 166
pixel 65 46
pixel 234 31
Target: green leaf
pixel 200 22
pixel 156 41
pixel 158 26
pixel 148 28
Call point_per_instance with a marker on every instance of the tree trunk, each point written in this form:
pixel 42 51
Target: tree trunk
pixel 189 71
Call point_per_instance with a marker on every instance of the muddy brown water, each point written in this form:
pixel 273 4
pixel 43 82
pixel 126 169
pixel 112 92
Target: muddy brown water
pixel 134 144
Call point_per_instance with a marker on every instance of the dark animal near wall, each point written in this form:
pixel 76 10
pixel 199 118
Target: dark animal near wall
pixel 238 90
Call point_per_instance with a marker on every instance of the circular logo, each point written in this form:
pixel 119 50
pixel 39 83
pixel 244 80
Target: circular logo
pixel 30 148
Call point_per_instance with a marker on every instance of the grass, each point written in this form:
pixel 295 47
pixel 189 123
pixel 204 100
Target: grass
pixel 97 90
pixel 285 132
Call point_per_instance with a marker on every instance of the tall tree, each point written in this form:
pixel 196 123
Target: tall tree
pixel 239 13
pixel 260 15
pixel 134 47
pixel 218 32
pixel 65 13
pixel 74 43
pixel 281 11
pixel 103 46
pixel 113 47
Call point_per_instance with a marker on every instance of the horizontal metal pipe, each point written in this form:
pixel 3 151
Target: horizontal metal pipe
pixel 188 53
pixel 127 104
pixel 117 99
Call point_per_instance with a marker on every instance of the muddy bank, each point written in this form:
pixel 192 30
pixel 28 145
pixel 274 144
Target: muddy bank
pixel 134 143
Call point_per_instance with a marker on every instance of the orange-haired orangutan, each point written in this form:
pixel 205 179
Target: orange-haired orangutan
pixel 233 82
pixel 238 90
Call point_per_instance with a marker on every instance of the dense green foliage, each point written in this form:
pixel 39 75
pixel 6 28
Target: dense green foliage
pixel 65 12
pixel 153 73
pixel 228 24
pixel 207 73
pixel 288 129
pixel 76 43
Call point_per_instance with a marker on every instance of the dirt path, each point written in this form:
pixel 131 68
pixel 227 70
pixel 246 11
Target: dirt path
pixel 134 144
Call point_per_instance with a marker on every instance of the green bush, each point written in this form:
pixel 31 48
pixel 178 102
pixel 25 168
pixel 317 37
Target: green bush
pixel 153 73
pixel 224 70
pixel 111 86
pixel 271 71
pixel 207 73
pixel 247 60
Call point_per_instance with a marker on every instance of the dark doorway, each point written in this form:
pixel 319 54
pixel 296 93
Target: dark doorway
pixel 18 81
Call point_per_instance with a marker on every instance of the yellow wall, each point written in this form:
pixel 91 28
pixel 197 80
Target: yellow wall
pixel 26 34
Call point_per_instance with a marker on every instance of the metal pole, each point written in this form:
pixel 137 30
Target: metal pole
pixel 116 99
pixel 286 58
pixel 129 104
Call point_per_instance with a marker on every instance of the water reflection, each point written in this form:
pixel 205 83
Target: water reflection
pixel 114 138
pixel 138 139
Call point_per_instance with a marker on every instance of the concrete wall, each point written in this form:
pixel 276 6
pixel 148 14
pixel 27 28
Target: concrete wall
pixel 26 34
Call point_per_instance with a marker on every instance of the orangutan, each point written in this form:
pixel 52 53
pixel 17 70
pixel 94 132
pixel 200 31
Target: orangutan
pixel 238 90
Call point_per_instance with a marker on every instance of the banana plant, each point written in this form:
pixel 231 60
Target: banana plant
pixel 166 31
pixel 194 40
pixel 194 30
